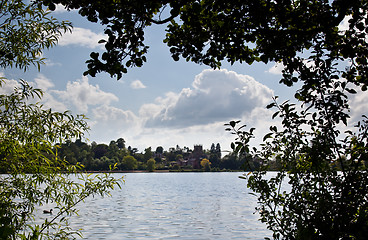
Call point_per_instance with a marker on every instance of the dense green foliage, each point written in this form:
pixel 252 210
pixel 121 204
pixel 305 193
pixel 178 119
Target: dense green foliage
pixel 209 32
pixel 32 172
pixel 328 63
pixel 324 168
pixel 26 30
pixel 320 190
pixel 151 165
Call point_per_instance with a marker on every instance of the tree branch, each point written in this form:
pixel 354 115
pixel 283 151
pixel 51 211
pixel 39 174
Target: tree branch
pixel 158 22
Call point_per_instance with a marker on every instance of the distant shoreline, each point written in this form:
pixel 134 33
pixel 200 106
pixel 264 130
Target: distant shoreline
pixel 158 171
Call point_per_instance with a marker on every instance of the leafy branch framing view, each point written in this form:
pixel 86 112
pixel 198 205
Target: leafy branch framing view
pixel 33 174
pixel 321 153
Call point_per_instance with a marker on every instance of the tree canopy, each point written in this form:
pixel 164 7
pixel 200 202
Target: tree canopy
pixel 34 173
pixel 208 32
pixel 26 30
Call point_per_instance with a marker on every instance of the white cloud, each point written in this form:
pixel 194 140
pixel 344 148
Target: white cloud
pixel 8 86
pixel 60 9
pixel 358 105
pixel 110 123
pixel 136 84
pixel 205 134
pixel 216 95
pixel 344 25
pixel 153 110
pixel 276 69
pixel 81 94
pixel 82 37
pixel 50 63
pixel 107 113
pixel 48 100
pixel 188 136
pixel 195 115
pixel 43 82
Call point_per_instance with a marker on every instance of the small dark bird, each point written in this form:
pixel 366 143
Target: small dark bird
pixel 47 211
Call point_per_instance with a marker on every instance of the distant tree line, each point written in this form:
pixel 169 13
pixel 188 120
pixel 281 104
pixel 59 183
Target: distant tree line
pixel 101 156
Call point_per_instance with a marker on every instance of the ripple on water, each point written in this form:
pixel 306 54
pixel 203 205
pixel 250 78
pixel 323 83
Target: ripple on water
pixel 173 206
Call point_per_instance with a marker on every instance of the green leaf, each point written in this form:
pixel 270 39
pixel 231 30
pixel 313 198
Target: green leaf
pixel 271 105
pixel 350 90
pixel 232 123
pixel 275 115
pixel 269 135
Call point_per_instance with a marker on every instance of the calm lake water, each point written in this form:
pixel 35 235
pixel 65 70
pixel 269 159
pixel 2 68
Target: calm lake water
pixel 173 206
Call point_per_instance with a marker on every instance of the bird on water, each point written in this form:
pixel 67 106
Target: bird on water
pixel 47 211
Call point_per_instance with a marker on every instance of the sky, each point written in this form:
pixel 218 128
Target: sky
pixel 164 103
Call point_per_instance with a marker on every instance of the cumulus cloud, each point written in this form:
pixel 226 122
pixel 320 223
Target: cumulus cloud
pixel 216 95
pixel 204 134
pixel 111 123
pixel 8 86
pixel 107 113
pixel 136 84
pixel 48 100
pixel 153 110
pixel 60 9
pixel 82 37
pixel 82 94
pixel 188 136
pixel 43 82
pixel 195 115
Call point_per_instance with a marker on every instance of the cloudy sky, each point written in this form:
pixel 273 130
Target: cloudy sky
pixel 164 103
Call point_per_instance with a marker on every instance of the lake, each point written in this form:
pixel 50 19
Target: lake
pixel 173 206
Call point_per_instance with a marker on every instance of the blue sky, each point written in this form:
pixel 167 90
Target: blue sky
pixel 164 103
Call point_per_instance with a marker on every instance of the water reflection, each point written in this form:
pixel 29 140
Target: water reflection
pixel 173 206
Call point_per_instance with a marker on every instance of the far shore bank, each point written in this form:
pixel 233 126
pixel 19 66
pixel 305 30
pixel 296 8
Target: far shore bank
pixel 159 171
